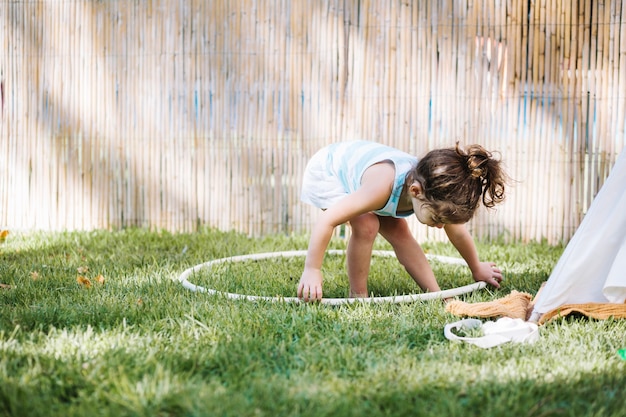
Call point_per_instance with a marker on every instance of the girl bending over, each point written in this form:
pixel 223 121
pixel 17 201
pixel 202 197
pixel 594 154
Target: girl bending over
pixel 373 187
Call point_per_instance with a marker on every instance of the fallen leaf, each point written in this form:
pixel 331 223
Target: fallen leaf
pixel 83 269
pixel 5 286
pixel 100 279
pixel 34 275
pixel 83 281
pixel 3 235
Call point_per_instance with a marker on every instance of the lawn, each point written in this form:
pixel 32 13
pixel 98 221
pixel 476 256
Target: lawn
pixel 95 324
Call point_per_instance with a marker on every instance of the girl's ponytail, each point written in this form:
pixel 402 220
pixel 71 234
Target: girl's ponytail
pixel 484 168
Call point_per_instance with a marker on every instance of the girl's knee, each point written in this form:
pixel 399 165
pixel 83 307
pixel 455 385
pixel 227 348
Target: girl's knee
pixel 395 230
pixel 365 226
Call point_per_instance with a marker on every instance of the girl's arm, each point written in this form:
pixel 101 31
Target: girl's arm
pixel 373 194
pixel 463 242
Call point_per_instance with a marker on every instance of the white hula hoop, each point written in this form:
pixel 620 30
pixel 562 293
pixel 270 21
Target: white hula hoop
pixel 452 292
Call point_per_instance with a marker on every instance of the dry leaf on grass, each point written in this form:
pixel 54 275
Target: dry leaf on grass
pixel 83 281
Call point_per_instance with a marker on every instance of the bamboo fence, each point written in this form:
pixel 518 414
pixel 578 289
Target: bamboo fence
pixel 182 115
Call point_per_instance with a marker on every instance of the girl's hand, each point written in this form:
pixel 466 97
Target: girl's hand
pixel 310 287
pixel 488 273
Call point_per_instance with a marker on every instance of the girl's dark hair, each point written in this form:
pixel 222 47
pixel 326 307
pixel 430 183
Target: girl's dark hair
pixel 455 181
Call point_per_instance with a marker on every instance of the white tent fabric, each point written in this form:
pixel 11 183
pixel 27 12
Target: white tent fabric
pixel 592 268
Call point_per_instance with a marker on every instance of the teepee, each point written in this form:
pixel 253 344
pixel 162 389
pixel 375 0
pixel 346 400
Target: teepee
pixel 591 273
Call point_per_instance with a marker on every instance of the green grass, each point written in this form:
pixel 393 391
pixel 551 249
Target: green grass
pixel 141 345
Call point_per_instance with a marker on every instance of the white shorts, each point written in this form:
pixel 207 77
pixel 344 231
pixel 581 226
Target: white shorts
pixel 320 187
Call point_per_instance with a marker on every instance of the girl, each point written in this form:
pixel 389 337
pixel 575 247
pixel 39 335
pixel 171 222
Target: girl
pixel 373 187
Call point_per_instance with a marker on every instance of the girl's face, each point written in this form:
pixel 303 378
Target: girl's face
pixel 424 214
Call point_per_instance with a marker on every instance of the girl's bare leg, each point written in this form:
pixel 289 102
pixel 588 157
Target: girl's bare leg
pixel 359 253
pixel 408 252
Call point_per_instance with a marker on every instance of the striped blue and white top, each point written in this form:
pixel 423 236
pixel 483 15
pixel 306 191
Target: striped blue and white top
pixel 336 170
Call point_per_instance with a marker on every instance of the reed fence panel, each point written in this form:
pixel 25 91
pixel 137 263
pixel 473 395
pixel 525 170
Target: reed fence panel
pixel 179 115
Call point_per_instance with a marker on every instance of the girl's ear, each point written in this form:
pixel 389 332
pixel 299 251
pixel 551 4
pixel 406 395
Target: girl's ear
pixel 415 189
